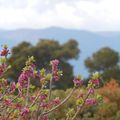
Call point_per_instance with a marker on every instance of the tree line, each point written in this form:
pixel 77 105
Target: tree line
pixel 105 60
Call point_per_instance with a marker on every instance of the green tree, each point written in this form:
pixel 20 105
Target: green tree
pixel 106 62
pixel 112 73
pixel 45 51
pixel 17 59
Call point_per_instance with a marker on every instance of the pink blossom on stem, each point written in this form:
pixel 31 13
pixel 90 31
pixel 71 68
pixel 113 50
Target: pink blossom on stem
pixel 44 117
pixel 55 101
pixel 25 75
pixel 96 82
pixel 7 102
pixel 91 101
pixel 43 104
pixel 42 97
pixel 32 98
pixel 18 106
pixel 3 67
pixel 80 96
pixel 23 79
pixel 24 112
pixel 91 90
pixel 55 73
pixel 4 52
pixel 12 87
pixel 78 82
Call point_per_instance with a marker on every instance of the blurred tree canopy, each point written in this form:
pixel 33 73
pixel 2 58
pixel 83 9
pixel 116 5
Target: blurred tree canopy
pixel 105 61
pixel 44 51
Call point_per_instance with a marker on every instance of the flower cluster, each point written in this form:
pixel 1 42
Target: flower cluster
pixel 4 51
pixel 22 100
pixel 95 79
pixel 78 81
pixel 24 112
pixel 55 71
pixel 2 68
pixel 12 87
pixel 91 101
pixel 3 65
pixel 27 73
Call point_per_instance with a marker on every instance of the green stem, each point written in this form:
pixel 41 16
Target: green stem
pixel 35 99
pixel 27 94
pixel 50 89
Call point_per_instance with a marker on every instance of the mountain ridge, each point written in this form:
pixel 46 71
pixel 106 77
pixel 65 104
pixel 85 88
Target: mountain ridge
pixel 89 41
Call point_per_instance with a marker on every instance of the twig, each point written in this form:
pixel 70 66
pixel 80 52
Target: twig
pixel 35 99
pixel 80 108
pixel 61 102
pixel 27 94
pixel 50 88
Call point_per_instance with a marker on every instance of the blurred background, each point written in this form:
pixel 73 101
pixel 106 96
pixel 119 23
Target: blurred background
pixel 83 34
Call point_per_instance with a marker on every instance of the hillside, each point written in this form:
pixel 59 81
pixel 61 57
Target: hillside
pixel 89 42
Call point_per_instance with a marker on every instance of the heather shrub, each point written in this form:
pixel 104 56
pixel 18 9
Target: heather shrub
pixel 108 108
pixel 22 101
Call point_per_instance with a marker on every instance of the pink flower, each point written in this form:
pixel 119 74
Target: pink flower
pixel 80 96
pixel 25 75
pixel 18 106
pixel 91 101
pixel 24 112
pixel 55 73
pixel 55 62
pixel 96 82
pixel 23 79
pixel 78 82
pixel 13 87
pixel 4 52
pixel 91 90
pixel 7 102
pixel 32 98
pixel 44 117
pixel 43 97
pixel 3 67
pixel 44 104
pixel 56 101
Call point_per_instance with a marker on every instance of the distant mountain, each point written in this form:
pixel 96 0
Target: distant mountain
pixel 89 42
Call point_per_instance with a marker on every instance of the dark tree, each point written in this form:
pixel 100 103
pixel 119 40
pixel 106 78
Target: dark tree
pixel 45 51
pixel 106 62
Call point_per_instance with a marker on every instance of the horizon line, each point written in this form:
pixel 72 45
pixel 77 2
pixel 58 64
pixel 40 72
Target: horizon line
pixel 57 27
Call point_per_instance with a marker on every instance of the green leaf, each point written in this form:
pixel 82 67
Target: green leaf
pixel 48 77
pixel 33 108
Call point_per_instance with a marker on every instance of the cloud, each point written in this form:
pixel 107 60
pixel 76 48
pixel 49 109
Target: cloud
pixel 13 3
pixel 78 14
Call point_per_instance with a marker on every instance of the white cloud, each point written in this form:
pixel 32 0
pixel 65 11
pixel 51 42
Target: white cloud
pixel 80 14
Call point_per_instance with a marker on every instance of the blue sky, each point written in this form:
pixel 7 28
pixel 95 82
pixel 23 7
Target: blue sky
pixel 93 15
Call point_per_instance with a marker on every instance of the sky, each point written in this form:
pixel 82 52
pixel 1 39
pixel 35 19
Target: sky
pixel 94 15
